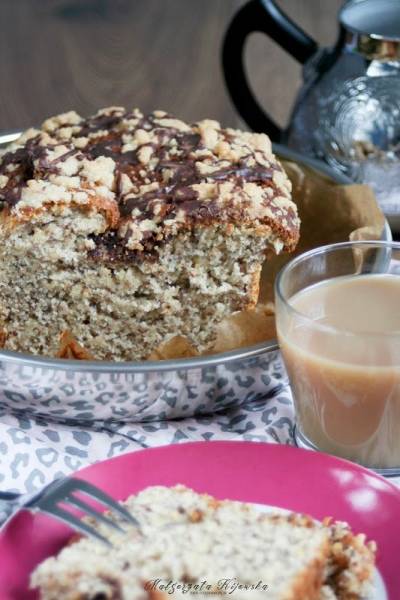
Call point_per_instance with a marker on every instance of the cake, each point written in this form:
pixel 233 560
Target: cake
pixel 121 230
pixel 191 543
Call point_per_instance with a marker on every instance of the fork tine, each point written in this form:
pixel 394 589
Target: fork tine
pixel 78 485
pixel 72 521
pixel 71 499
pixel 64 491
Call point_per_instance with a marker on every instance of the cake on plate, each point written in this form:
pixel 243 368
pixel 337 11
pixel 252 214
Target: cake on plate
pixel 122 230
pixel 192 544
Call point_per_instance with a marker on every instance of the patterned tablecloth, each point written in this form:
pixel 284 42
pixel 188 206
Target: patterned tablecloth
pixel 34 452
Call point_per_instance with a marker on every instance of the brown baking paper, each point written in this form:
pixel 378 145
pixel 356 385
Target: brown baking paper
pixel 329 213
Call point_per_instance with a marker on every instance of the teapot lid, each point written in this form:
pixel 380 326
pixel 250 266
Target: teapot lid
pixel 378 19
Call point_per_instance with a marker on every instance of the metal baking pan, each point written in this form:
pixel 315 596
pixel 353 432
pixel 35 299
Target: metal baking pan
pixel 87 391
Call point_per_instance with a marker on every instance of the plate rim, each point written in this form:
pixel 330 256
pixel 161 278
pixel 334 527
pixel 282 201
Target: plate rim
pixel 225 445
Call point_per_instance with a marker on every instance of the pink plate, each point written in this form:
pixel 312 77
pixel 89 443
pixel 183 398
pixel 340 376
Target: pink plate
pixel 291 478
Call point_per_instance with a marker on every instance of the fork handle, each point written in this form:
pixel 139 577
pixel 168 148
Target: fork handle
pixel 26 498
pixel 10 502
pixel 9 496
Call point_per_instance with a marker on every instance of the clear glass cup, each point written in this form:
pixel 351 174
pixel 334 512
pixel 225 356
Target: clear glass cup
pixel 341 352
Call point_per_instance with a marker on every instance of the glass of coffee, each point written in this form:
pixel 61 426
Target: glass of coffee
pixel 338 324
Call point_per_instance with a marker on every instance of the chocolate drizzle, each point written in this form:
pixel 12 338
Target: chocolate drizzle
pixel 24 159
pixel 171 168
pixel 100 123
pixel 256 174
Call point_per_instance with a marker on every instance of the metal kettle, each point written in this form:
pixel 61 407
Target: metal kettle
pixel 348 110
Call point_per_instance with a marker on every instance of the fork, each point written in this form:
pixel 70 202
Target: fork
pixel 63 492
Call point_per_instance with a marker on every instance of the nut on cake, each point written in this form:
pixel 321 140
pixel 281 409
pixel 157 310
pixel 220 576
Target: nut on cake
pixel 124 230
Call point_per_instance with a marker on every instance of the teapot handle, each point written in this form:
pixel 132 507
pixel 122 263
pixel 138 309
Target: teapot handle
pixel 263 16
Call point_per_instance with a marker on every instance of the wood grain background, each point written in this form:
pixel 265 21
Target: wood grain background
pixel 83 54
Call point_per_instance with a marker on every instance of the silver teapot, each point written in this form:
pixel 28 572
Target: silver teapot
pixel 348 110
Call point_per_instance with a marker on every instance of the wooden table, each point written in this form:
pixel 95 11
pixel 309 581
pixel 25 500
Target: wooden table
pixel 83 54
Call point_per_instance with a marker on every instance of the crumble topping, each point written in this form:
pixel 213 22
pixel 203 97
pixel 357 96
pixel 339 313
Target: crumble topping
pixel 149 176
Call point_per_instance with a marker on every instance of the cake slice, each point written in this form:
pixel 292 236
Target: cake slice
pixel 187 539
pixel 191 543
pixel 123 230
